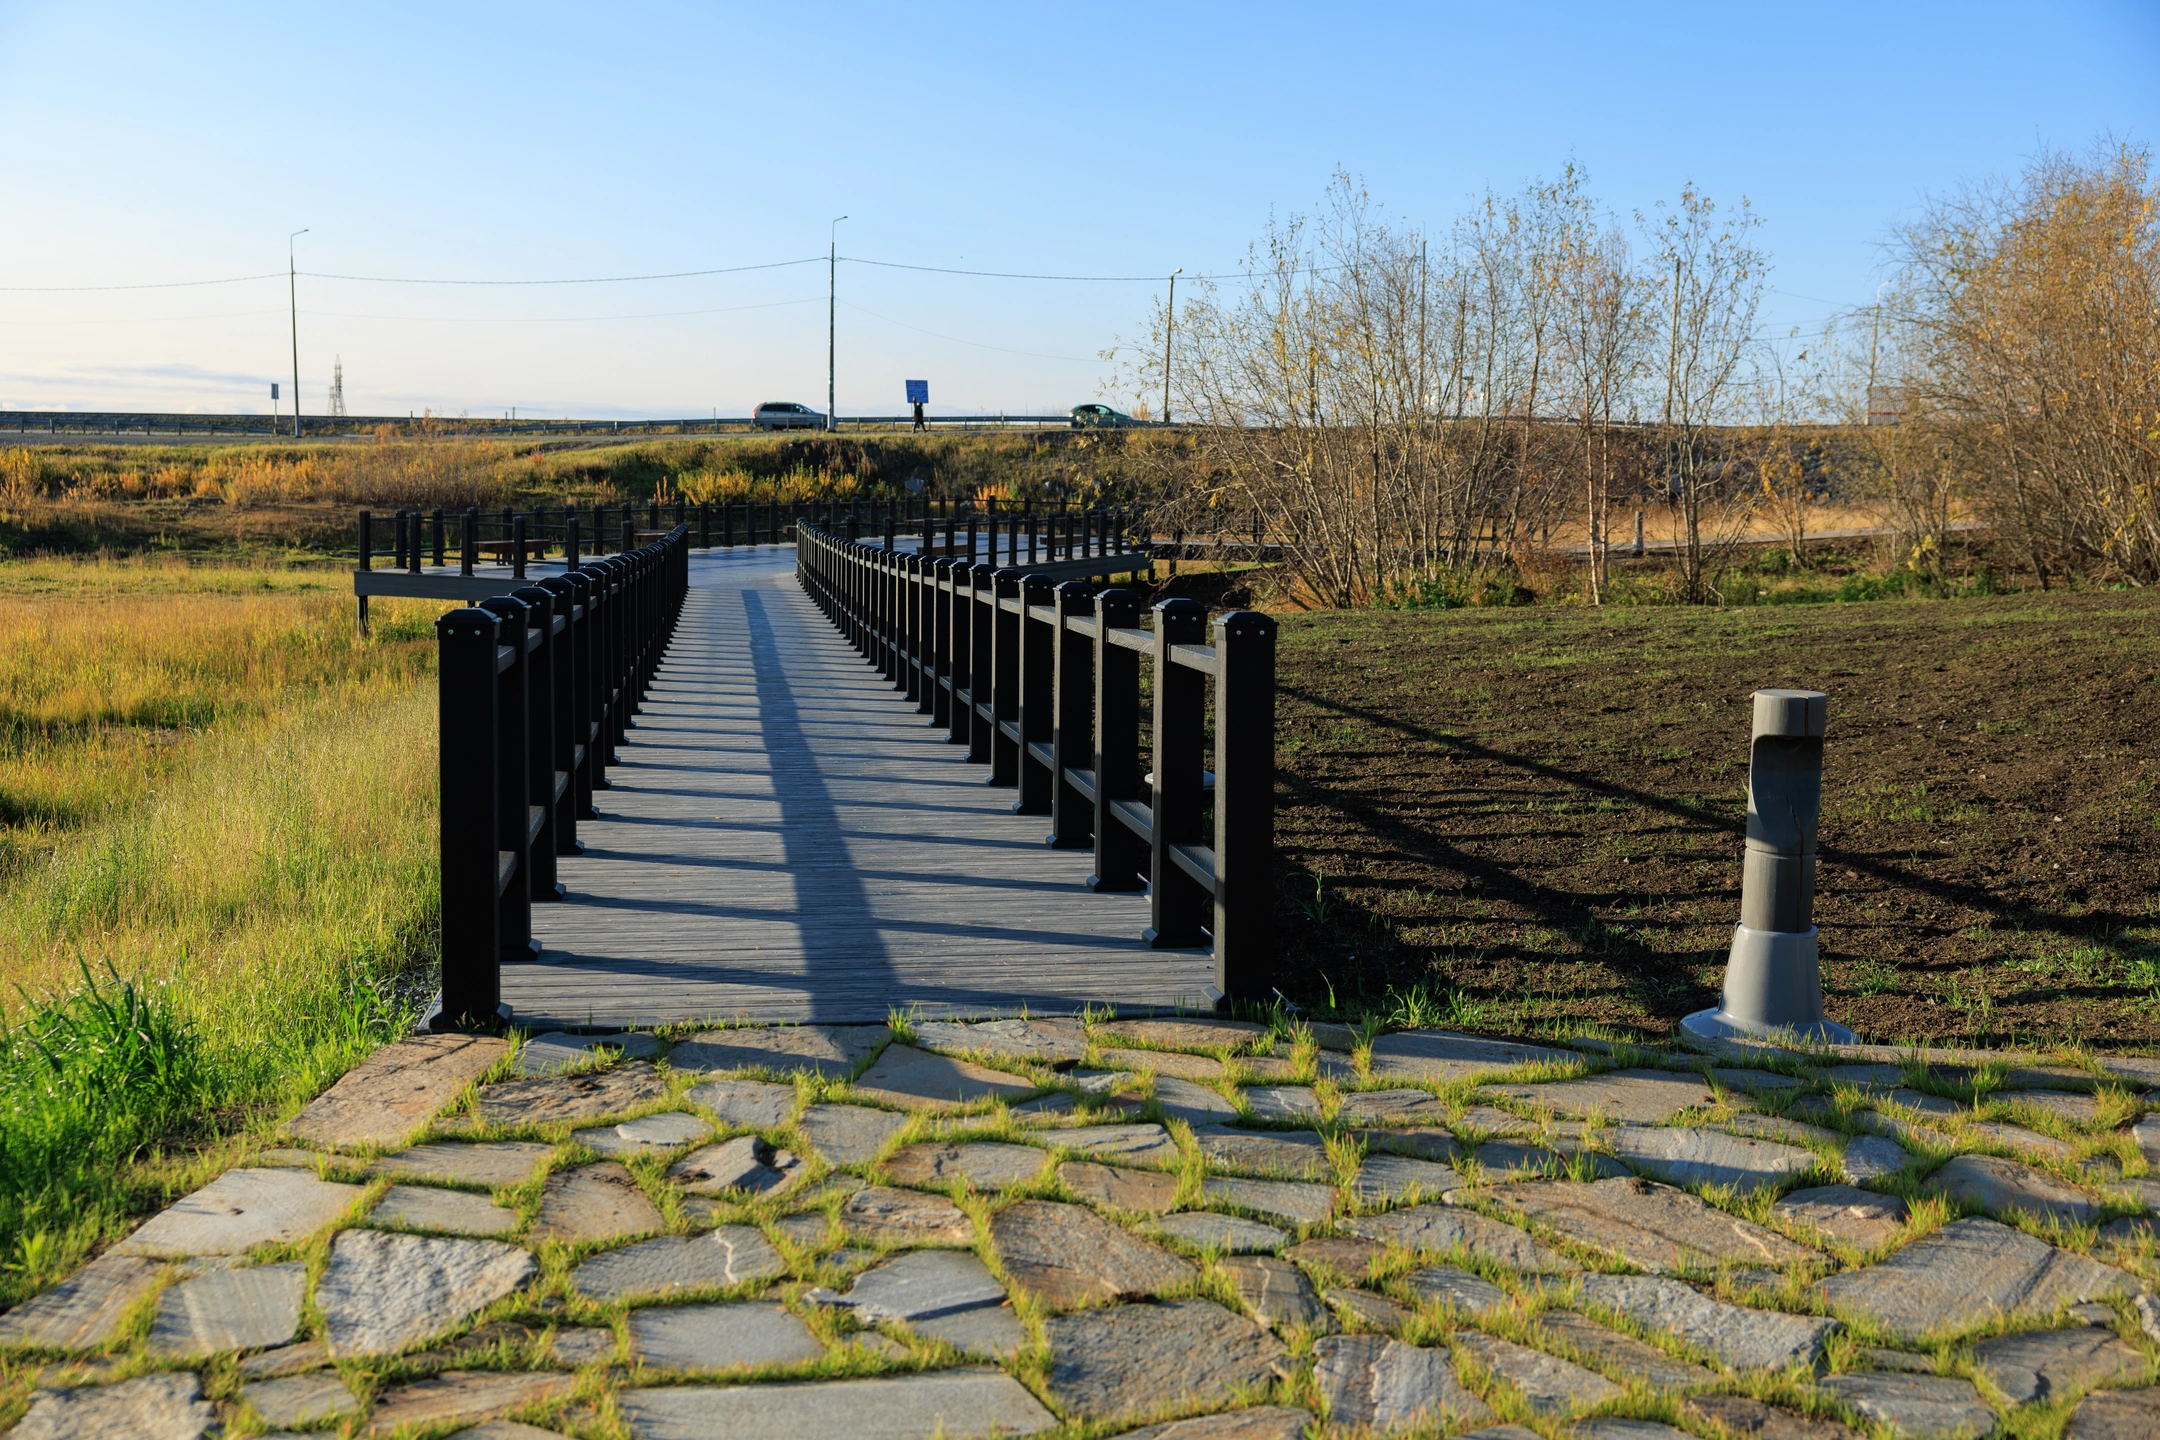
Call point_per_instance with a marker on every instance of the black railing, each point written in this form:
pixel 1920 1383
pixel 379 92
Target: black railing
pixel 414 540
pixel 537 689
pixel 1041 682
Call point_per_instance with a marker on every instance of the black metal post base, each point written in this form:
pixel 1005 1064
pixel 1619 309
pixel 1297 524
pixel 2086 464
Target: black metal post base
pixel 439 1023
pixel 1190 940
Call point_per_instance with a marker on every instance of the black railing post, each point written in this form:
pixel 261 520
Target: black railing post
pixel 1244 804
pixel 1005 678
pixel 367 542
pixel 704 525
pixel 439 537
pixel 1038 670
pixel 546 779
pixel 470 856
pixel 517 546
pixel 960 653
pixel 1179 906
pixel 569 540
pixel 1072 734
pixel 513 813
pixel 938 648
pixel 982 661
pixel 584 756
pixel 468 542
pixel 1119 854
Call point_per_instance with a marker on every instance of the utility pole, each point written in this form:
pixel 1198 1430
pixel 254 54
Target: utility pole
pixel 1169 329
pixel 832 312
pixel 292 296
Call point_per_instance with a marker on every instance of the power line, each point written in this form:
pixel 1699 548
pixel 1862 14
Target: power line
pixel 1007 274
pixel 977 344
pixel 158 285
pixel 581 280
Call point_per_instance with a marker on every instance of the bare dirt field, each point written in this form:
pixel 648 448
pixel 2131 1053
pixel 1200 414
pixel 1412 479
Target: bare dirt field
pixel 1533 816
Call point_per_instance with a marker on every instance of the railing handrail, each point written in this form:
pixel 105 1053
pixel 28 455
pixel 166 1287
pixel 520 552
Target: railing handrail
pixel 1041 681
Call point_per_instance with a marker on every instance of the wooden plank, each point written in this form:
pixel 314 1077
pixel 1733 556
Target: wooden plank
pixel 786 839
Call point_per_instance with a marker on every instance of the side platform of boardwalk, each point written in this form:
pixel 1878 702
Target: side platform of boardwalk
pixel 786 839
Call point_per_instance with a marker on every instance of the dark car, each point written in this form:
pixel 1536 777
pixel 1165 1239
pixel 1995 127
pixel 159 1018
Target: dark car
pixel 786 415
pixel 1085 417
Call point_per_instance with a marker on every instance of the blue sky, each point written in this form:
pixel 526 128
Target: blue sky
pixel 159 143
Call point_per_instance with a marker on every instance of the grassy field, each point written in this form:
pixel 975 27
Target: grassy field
pixel 1523 818
pixel 216 871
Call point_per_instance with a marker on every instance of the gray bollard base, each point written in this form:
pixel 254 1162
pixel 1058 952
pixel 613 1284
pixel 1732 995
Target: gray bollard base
pixel 1773 988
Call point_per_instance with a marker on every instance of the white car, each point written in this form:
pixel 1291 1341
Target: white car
pixel 786 415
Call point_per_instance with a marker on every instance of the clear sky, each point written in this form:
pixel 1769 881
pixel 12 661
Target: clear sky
pixel 151 143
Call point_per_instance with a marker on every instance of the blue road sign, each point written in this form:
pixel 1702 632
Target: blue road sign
pixel 918 392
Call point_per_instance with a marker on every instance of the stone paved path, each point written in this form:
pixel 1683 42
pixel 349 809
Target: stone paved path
pixel 1172 1229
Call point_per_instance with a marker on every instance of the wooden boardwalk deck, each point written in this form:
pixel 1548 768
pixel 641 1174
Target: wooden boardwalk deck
pixel 787 839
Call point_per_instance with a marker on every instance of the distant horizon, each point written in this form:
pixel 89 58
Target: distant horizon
pixel 183 147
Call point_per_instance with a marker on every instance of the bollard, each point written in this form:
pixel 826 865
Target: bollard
pixel 1773 977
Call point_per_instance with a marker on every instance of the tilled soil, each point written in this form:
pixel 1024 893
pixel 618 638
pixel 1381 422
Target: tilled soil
pixel 1522 817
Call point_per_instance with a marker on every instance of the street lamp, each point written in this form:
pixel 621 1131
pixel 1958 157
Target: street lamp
pixel 832 302
pixel 292 296
pixel 1169 329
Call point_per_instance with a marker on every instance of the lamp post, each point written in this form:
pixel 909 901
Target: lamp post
pixel 1169 329
pixel 832 310
pixel 292 296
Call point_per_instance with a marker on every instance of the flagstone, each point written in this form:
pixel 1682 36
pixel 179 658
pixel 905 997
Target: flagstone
pixel 1282 1102
pixel 1647 1097
pixel 1348 1254
pixel 1277 1292
pixel 730 1255
pixel 1479 1121
pixel 849 1134
pixel 1450 1287
pixel 1129 1144
pixel 1870 1157
pixel 1684 1156
pixel 1194 1104
pixel 1132 1359
pixel 1438 1229
pixel 1166 1062
pixel 1052 1041
pixel 1383 1179
pixel 903 1075
pixel 582 1345
pixel 2041 1365
pixel 1779 1127
pixel 463 1396
pixel 245 1309
pixel 748 1162
pixel 2145 1134
pixel 984 1165
pixel 749 1104
pixel 1367 1308
pixel 648 1136
pixel 1371 1380
pixel 1970 1271
pixel 2116 1415
pixel 2004 1186
pixel 492 1163
pixel 2017 1137
pixel 720 1337
pixel 594 1202
pixel 82 1311
pixel 1917 1405
pixel 394 1091
pixel 1444 1055
pixel 1419 1143
pixel 1392 1107
pixel 1262 1422
pixel 1882 1078
pixel 285 1360
pixel 383 1292
pixel 239 1210
pixel 1552 1386
pixel 1228 1234
pixel 1744 1338
pixel 302 1399
pixel 1756 1082
pixel 429 1207
pixel 829 1051
pixel 1148 1191
pixel 167 1406
pixel 1858 1217
pixel 1300 1154
pixel 1188 1032
pixel 1653 1227
pixel 555 1052
pixel 1068 1255
pixel 2078 1109
pixel 1746 1418
pixel 1630 1357
pixel 963 1402
pixel 1922 1102
pixel 1276 1199
pixel 917 1285
pixel 878 1212
pixel 570 1099
pixel 987 1330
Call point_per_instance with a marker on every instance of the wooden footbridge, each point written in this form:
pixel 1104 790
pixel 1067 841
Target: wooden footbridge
pixel 825 780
